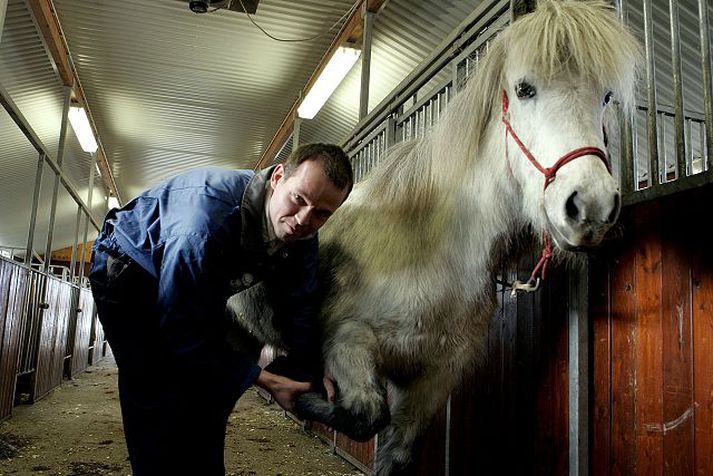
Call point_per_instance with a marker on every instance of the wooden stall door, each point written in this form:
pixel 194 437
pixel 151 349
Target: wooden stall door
pixel 53 338
pixel 652 317
pixel 13 294
pixel 83 333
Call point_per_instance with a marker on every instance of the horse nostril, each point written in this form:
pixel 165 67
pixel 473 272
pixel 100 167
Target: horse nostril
pixel 571 207
pixel 615 211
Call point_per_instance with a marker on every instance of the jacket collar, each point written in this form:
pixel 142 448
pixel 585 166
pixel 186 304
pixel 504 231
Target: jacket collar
pixel 252 209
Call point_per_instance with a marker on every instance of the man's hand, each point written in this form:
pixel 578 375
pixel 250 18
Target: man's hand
pixel 283 389
pixel 329 385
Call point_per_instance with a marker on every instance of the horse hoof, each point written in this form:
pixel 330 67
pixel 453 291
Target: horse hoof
pixel 357 423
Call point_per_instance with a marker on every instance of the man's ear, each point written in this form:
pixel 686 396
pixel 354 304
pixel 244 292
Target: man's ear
pixel 277 175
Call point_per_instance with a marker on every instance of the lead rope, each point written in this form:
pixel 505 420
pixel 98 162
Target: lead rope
pixel 533 284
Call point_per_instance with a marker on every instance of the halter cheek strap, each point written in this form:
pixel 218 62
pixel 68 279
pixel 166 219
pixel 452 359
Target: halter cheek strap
pixel 550 173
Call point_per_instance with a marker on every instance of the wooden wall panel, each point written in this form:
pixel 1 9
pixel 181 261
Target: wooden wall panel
pixel 53 338
pixel 82 340
pixel 13 298
pixel 677 357
pixel 652 353
pixel 702 324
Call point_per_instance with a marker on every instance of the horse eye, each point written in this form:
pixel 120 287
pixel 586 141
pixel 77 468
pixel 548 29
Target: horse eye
pixel 525 90
pixel 607 97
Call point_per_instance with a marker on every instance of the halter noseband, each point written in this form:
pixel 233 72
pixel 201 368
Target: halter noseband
pixel 550 173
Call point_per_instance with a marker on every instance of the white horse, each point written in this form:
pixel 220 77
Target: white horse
pixel 409 259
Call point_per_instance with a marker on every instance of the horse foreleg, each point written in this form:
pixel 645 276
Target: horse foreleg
pixel 361 410
pixel 412 409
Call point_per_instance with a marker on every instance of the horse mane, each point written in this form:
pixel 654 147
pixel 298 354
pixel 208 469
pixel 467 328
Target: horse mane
pixel 585 39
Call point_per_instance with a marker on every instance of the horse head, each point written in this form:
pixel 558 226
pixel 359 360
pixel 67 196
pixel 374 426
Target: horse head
pixel 560 73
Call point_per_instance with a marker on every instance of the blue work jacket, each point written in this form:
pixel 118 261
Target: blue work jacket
pixel 197 232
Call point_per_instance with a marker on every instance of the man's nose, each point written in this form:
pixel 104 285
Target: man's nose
pixel 303 217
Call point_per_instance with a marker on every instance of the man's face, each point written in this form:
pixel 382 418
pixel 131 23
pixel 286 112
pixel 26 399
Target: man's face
pixel 302 203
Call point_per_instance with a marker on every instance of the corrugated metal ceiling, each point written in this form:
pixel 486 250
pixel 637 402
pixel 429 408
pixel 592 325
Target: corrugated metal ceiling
pixel 170 90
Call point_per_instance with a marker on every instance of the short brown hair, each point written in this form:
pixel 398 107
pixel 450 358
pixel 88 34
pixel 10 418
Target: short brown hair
pixel 335 163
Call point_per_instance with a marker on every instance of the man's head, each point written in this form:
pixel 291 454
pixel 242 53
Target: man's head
pixel 307 189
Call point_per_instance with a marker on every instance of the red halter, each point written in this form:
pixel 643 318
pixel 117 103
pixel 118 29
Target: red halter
pixel 549 173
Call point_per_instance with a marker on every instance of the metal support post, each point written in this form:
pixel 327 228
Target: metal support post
pixel 678 90
pixel 3 9
pixel 579 373
pixel 33 215
pixel 296 132
pixel 704 30
pixel 86 222
pixel 368 18
pixel 73 259
pixel 55 190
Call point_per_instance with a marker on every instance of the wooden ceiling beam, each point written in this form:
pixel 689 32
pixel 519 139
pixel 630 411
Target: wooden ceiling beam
pixel 351 32
pixel 47 22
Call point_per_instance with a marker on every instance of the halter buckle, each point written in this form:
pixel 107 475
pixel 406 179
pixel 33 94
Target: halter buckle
pixel 529 287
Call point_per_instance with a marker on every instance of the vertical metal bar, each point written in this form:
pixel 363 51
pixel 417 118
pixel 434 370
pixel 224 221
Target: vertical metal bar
pixel 73 259
pixel 663 175
pixel 390 132
pixel 55 190
pixel 578 371
pixel 702 137
pixel 626 118
pixel 296 132
pixel 368 18
pixel 35 206
pixel 678 89
pixel 651 92
pixel 688 126
pixel 447 458
pixel 86 222
pixel 3 9
pixel 707 87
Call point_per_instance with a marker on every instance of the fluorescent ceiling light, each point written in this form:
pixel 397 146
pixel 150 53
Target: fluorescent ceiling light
pixel 82 129
pixel 113 202
pixel 338 66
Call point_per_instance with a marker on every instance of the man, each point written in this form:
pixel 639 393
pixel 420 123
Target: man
pixel 161 277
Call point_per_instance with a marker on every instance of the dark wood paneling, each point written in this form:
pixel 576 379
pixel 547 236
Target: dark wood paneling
pixel 702 323
pixel 678 406
pixel 82 339
pixel 652 352
pixel 53 338
pixel 13 295
pixel 648 383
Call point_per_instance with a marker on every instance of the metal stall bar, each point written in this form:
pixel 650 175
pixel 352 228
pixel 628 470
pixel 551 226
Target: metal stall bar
pixel 33 215
pixel 481 17
pixel 27 130
pixel 3 9
pixel 651 93
pixel 86 222
pixel 681 161
pixel 626 143
pixel 55 190
pixel 365 61
pixel 73 259
pixel 578 370
pixel 704 32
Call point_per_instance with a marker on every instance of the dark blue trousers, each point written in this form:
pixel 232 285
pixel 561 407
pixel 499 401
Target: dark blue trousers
pixel 174 421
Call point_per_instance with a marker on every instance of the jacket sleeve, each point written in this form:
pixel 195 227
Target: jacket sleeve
pixel 293 291
pixel 191 305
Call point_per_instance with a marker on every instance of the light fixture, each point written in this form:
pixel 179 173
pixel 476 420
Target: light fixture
pixel 337 68
pixel 82 129
pixel 113 202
